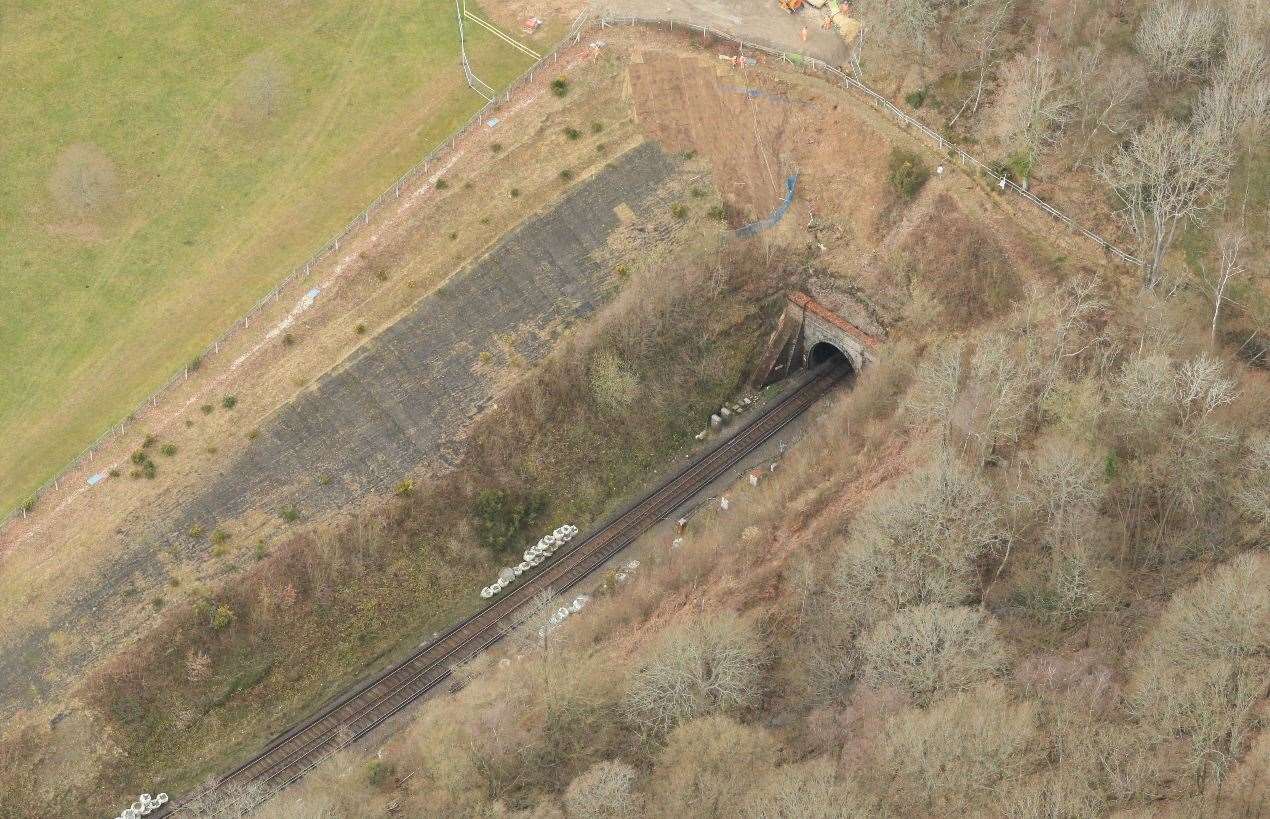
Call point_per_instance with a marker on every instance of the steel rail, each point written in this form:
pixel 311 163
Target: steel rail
pixel 294 753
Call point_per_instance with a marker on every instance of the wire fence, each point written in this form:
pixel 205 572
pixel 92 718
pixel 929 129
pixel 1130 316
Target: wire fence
pixel 584 22
pixel 299 276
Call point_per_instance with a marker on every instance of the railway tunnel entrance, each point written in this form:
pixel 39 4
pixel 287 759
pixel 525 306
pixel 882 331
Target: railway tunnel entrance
pixel 808 334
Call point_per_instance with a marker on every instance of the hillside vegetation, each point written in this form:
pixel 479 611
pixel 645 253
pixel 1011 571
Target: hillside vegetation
pixel 166 164
pixel 1018 571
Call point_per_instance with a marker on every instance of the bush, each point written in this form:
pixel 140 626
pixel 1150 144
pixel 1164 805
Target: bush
pixel 515 192
pixel 404 487
pixel 288 340
pixel 501 516
pixel 560 86
pixel 197 531
pixel 220 536
pixel 442 184
pixel 808 790
pixel 679 210
pixel 290 514
pixel 495 147
pixel 916 98
pixel 717 212
pixel 139 457
pixel 229 402
pixel 907 173
pixel 149 441
pixel 931 651
pixel 222 616
pixel 207 409
pixel 360 329
pixel 572 133
pixel 566 175
pixel 597 127
pixel 700 668
pixel 168 449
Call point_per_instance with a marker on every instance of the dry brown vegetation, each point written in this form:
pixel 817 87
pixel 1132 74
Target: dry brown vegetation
pixel 1015 572
pixel 311 614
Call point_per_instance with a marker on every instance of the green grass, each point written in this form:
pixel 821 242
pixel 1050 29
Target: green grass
pixel 233 140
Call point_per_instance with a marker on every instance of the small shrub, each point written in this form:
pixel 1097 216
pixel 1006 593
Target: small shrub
pixel 222 617
pixel 287 340
pixel 560 86
pixel 484 220
pixel 149 441
pixel 324 480
pixel 188 423
pixel 207 409
pixel 252 433
pixel 220 536
pixel 196 531
pixel 442 184
pixel 149 470
pixel 379 773
pixel 453 236
pixel 697 193
pixel 404 487
pixel 916 98
pixel 600 147
pixel 679 210
pixel 500 516
pixel 211 449
pixel 195 363
pixel 515 192
pixel 566 175
pixel 28 504
pixel 168 450
pixel 139 457
pixel 381 275
pixel 290 514
pixel 622 271
pixel 219 550
pixel 572 133
pixel 260 552
pixel 360 329
pixel 158 602
pixel 496 147
pixel 597 127
pixel 486 356
pixel 717 212
pixel 908 173
pixel 114 473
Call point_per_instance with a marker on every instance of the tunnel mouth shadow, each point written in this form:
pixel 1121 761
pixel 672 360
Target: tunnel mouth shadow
pixel 823 353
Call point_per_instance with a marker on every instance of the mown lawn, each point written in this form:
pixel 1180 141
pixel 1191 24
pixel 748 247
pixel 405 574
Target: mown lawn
pixel 164 164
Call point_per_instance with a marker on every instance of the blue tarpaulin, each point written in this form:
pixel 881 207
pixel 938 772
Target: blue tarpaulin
pixel 763 224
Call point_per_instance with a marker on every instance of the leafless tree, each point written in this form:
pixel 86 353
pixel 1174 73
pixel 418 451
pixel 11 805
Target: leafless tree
pixel 1033 103
pixel 1205 664
pixel 704 667
pixel 1230 243
pixel 1238 97
pixel 931 651
pixel 605 791
pixel 84 182
pixel 1253 491
pixel 708 766
pixel 1165 175
pixel 1177 38
pixel 949 757
pixel 1103 89
pixel 808 790
pixel 900 24
pixel 983 35
pixel 933 394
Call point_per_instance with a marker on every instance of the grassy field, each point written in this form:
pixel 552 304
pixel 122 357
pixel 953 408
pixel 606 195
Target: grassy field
pixel 165 164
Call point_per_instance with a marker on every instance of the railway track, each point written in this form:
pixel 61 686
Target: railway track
pixel 297 751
